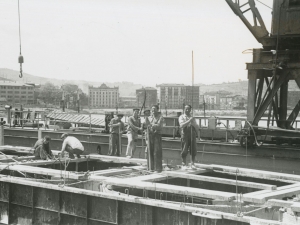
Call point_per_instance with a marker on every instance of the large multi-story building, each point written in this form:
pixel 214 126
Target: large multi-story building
pixel 174 96
pixel 127 102
pixel 104 97
pixel 16 93
pixel 151 97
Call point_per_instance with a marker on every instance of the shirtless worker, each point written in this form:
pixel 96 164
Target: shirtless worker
pixel 71 145
pixel 42 149
pixel 116 128
pixel 189 129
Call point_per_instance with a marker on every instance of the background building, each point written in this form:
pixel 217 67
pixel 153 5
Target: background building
pixel 151 97
pixel 103 97
pixel 174 96
pixel 127 102
pixel 16 93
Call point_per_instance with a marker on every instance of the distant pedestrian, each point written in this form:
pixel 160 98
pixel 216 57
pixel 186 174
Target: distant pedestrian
pixel 189 129
pixel 71 145
pixel 144 126
pixel 156 122
pixel 116 130
pixel 132 133
pixel 42 149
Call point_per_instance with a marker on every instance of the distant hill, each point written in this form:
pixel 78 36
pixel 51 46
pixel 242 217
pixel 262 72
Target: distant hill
pixel 240 88
pixel 126 88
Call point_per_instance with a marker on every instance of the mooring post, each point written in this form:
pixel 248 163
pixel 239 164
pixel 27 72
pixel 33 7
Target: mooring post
pixel 1 135
pixel 39 134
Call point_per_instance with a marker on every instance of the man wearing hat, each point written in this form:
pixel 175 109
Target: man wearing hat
pixel 71 145
pixel 132 132
pixel 42 148
pixel 116 128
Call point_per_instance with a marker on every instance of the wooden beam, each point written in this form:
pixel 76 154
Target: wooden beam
pixel 41 171
pixel 115 159
pixel 188 191
pixel 221 180
pixel 252 173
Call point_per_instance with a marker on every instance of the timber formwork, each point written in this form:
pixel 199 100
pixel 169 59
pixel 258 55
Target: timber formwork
pixel 115 190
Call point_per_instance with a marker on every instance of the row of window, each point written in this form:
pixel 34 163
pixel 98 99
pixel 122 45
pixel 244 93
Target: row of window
pixel 11 87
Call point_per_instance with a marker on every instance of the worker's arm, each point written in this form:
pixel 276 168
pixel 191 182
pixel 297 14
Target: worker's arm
pixel 133 127
pixel 112 124
pixel 183 123
pixel 159 125
pixel 63 146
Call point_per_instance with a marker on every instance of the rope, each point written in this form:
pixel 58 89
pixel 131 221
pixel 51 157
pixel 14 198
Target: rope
pixel 264 4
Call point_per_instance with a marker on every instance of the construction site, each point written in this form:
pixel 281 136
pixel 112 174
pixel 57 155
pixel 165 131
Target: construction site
pixel 250 177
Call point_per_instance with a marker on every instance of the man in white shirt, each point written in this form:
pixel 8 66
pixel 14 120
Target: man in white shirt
pixel 189 129
pixel 71 145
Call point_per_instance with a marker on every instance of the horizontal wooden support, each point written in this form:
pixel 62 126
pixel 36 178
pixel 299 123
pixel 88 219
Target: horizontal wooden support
pixel 41 162
pixel 252 173
pixel 115 159
pixel 264 195
pixel 296 207
pixel 279 203
pixel 41 171
pixel 119 171
pixel 221 180
pixel 188 191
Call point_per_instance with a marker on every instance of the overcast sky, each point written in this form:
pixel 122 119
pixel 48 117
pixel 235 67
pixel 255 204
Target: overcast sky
pixel 142 41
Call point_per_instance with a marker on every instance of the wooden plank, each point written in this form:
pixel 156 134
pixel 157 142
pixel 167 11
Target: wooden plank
pixel 111 172
pixel 50 162
pixel 263 196
pixel 221 180
pixel 198 192
pixel 252 173
pixel 118 159
pixel 41 171
pixel 279 203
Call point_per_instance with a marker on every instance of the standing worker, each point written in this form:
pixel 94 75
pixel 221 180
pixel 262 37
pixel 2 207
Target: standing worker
pixel 189 128
pixel 116 129
pixel 42 149
pixel 144 126
pixel 71 145
pixel 154 142
pixel 132 132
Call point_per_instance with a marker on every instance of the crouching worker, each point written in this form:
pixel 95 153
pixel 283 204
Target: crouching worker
pixel 71 145
pixel 42 149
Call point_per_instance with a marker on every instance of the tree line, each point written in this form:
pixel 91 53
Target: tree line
pixel 51 94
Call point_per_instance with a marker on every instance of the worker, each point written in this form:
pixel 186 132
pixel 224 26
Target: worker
pixel 189 128
pixel 144 126
pixel 154 128
pixel 132 133
pixel 116 129
pixel 71 145
pixel 42 149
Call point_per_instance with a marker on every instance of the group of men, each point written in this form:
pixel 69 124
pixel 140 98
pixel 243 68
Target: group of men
pixel 70 144
pixel 152 127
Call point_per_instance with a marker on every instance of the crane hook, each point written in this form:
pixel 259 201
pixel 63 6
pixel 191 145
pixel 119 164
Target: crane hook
pixel 21 60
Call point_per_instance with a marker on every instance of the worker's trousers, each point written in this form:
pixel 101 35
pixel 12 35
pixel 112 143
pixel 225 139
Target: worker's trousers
pixel 154 158
pixel 132 140
pixel 188 143
pixel 114 145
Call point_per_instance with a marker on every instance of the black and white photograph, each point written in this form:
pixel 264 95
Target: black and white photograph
pixel 150 112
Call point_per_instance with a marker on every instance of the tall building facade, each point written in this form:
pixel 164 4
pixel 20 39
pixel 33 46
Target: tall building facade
pixel 17 93
pixel 175 96
pixel 103 97
pixel 151 97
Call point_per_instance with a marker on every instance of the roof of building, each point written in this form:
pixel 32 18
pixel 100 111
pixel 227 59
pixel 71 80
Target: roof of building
pixel 146 88
pixel 103 86
pixel 170 85
pixel 3 83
